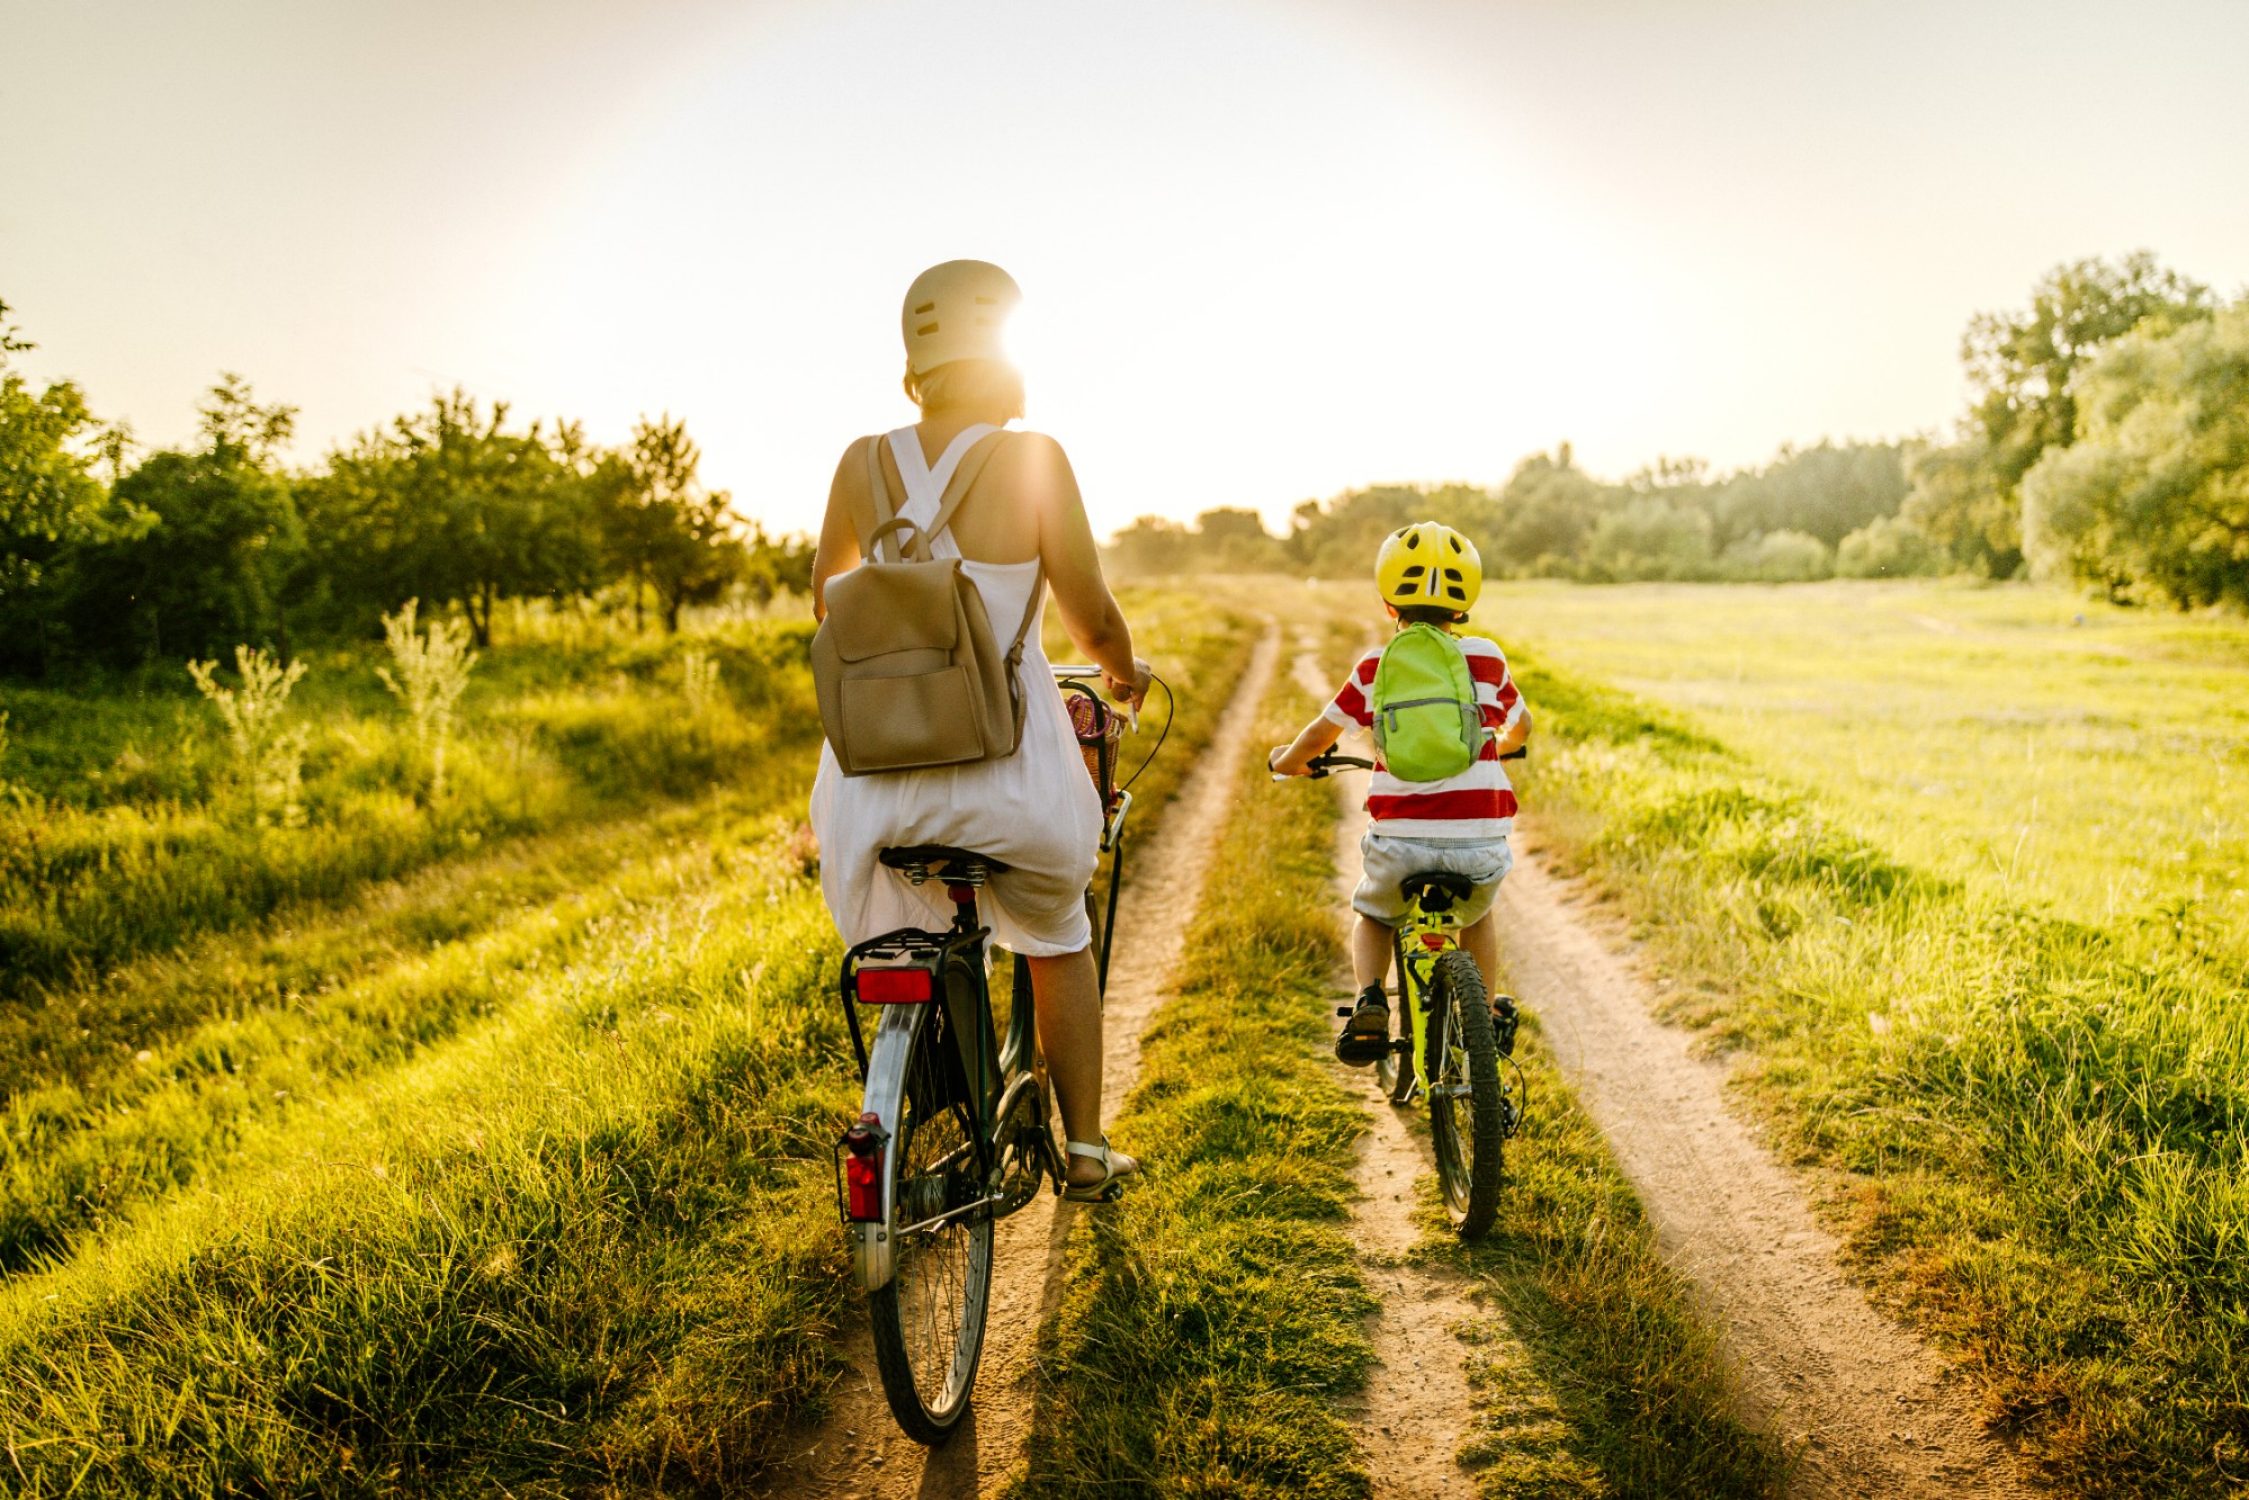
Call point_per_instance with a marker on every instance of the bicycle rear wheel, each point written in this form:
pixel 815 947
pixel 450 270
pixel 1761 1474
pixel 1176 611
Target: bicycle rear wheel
pixel 928 1319
pixel 1467 1109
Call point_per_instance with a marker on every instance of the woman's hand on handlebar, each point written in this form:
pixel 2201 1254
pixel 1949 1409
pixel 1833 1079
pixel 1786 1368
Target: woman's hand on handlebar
pixel 1278 754
pixel 1134 692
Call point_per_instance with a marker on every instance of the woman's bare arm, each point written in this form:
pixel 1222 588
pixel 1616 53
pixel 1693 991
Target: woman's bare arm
pixel 1073 566
pixel 838 551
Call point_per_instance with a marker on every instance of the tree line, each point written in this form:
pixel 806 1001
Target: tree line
pixel 2106 443
pixel 114 557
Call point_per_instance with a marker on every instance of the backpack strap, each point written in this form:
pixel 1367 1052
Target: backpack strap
pixel 889 525
pixel 964 479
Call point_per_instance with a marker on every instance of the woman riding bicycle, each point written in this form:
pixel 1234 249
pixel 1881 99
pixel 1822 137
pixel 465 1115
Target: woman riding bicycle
pixel 1036 811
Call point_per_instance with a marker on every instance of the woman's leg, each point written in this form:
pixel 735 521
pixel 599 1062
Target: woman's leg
pixel 1067 993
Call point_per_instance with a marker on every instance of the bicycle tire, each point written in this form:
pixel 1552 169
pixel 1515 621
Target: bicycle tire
pixel 1463 1064
pixel 928 1318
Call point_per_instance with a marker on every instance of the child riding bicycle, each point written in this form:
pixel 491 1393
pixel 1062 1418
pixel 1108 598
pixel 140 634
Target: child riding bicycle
pixel 1443 711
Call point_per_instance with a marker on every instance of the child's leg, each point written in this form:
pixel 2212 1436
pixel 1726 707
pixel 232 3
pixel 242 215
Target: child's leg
pixel 1481 939
pixel 1370 954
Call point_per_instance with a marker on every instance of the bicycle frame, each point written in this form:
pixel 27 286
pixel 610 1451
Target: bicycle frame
pixel 1423 937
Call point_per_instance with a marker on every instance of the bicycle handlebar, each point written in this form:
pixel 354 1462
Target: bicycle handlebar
pixel 1324 765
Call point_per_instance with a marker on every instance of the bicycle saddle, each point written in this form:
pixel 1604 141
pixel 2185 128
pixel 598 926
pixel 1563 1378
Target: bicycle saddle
pixel 1436 890
pixel 921 862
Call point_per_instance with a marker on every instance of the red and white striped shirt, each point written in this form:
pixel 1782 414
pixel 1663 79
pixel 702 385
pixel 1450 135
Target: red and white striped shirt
pixel 1479 803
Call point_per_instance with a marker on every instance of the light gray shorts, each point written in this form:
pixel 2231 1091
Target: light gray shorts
pixel 1389 860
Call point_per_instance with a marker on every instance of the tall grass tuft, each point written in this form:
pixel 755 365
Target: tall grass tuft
pixel 268 755
pixel 433 671
pixel 698 680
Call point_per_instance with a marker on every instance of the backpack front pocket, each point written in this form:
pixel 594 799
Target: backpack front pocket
pixel 901 723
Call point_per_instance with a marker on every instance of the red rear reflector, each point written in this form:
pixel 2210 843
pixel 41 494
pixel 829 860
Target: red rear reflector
pixel 1432 940
pixel 862 1170
pixel 893 986
pixel 862 1180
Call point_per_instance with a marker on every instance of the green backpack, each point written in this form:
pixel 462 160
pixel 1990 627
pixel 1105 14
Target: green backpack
pixel 1426 722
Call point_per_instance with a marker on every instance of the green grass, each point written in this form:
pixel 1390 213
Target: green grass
pixel 511 1177
pixel 2099 770
pixel 1213 1315
pixel 122 835
pixel 2014 1049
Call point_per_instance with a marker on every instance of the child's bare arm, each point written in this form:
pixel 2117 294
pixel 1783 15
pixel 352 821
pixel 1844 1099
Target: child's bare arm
pixel 1318 736
pixel 1518 734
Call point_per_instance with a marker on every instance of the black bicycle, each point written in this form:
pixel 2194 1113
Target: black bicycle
pixel 1453 1040
pixel 954 1129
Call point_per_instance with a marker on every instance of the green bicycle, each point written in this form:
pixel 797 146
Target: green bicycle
pixel 1452 1044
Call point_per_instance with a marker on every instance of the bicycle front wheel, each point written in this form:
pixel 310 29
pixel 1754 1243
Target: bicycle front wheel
pixel 1467 1109
pixel 928 1318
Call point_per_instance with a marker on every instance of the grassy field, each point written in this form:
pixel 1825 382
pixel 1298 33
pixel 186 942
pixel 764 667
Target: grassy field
pixel 505 1174
pixel 1960 871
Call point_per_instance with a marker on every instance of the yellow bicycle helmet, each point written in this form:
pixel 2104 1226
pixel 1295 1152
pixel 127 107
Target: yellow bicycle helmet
pixel 1431 565
pixel 957 310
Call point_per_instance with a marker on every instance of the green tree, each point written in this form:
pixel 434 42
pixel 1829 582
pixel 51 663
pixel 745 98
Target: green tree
pixel 50 499
pixel 662 530
pixel 775 564
pixel 1545 512
pixel 1955 499
pixel 1887 547
pixel 2020 366
pixel 1234 540
pixel 1151 547
pixel 213 568
pixel 2020 363
pixel 2153 497
pixel 1827 491
pixel 449 504
pixel 1649 537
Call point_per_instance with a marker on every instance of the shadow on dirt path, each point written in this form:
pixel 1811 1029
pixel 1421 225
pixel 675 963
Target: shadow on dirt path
pixel 858 1450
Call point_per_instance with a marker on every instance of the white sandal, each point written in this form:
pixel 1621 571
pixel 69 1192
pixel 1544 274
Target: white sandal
pixel 1111 1185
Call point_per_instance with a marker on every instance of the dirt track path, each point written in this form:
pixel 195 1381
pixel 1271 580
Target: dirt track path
pixel 1868 1410
pixel 858 1450
pixel 1417 1406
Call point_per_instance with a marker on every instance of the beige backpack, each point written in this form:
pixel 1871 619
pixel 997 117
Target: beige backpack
pixel 907 670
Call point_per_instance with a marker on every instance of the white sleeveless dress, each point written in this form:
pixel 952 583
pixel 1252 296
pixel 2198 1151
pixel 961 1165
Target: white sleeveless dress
pixel 1036 811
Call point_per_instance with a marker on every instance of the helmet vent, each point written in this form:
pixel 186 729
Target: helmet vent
pixel 925 330
pixel 1413 540
pixel 925 307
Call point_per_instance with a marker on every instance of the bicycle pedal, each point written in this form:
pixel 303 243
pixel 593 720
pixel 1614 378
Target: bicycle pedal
pixel 1345 1011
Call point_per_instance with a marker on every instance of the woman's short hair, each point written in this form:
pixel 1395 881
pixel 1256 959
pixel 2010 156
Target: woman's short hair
pixel 989 386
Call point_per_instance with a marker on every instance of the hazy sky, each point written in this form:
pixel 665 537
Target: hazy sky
pixel 1270 250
